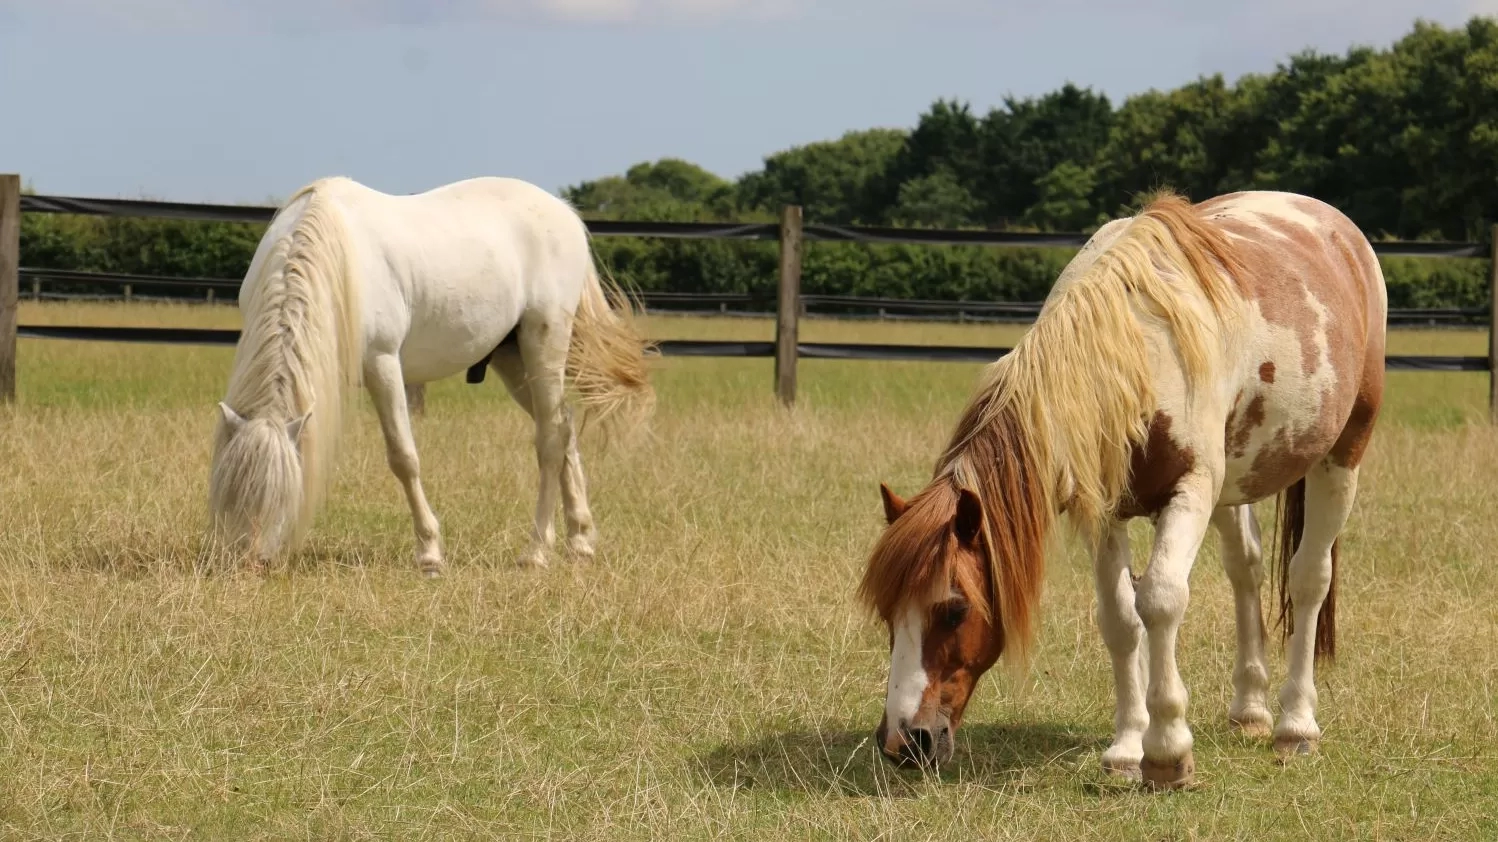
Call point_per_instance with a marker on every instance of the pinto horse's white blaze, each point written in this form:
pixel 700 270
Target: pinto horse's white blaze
pixel 907 673
pixel 353 285
pixel 1191 360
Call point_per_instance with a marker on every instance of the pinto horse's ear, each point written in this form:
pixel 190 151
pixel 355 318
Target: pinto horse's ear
pixel 969 521
pixel 893 505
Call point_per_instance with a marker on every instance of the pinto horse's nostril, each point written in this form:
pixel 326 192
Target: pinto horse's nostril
pixel 922 743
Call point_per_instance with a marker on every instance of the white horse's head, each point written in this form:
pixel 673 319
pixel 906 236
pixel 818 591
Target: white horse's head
pixel 255 484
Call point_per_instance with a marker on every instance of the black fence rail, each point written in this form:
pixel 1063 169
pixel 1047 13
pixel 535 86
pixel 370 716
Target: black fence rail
pixel 788 304
pixel 692 347
pixel 63 284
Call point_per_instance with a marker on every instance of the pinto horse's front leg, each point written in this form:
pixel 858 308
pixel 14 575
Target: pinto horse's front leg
pixel 1161 599
pixel 382 374
pixel 1122 632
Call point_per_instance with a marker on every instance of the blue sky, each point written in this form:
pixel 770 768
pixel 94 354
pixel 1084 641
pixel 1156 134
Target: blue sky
pixel 244 100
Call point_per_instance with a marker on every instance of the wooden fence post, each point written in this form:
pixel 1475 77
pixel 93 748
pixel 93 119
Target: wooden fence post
pixel 1493 328
pixel 788 309
pixel 10 281
pixel 416 398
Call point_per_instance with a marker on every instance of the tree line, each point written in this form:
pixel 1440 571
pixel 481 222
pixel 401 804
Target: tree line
pixel 1404 140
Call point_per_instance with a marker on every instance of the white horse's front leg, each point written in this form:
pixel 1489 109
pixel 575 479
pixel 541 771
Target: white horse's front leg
pixel 1242 560
pixel 1162 597
pixel 1122 631
pixel 382 374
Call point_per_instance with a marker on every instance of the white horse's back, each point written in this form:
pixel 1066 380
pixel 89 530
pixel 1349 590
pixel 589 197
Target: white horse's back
pixel 448 273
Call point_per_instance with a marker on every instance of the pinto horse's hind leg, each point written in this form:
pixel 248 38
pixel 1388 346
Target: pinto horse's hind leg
pixel 581 533
pixel 1330 491
pixel 383 377
pixel 1242 560
pixel 544 340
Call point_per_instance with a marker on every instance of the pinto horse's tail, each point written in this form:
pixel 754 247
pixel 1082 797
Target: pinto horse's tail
pixel 607 360
pixel 1291 516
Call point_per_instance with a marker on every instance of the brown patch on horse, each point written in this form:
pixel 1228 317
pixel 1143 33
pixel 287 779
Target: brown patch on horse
pixel 1279 462
pixel 1353 442
pixel 1283 266
pixel 1266 371
pixel 1240 430
pixel 1276 269
pixel 1350 446
pixel 1155 469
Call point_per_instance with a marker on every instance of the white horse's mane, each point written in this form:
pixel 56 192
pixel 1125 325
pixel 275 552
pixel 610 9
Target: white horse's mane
pixel 298 359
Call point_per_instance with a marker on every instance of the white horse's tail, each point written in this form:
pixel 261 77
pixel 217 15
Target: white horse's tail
pixel 299 360
pixel 607 359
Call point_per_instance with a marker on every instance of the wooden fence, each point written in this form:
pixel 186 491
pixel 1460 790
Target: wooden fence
pixel 791 232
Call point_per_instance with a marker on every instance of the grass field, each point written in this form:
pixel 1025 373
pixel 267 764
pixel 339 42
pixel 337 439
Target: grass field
pixel 709 674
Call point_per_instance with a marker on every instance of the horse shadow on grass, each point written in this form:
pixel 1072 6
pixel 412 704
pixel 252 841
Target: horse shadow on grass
pixel 847 763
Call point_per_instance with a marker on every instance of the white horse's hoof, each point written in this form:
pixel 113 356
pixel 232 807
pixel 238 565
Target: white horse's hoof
pixel 580 547
pixel 431 566
pixel 533 559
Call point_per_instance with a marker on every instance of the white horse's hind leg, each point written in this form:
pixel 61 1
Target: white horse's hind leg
pixel 1330 491
pixel 1242 560
pixel 1162 595
pixel 581 533
pixel 1122 631
pixel 382 375
pixel 544 339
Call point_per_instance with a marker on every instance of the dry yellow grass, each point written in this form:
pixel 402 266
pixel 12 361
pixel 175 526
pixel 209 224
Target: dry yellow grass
pixel 709 674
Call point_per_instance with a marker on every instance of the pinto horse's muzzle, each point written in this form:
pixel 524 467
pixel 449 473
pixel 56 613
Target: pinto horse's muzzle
pixel 916 746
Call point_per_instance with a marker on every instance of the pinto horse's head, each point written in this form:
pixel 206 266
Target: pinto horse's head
pixel 929 580
pixel 952 587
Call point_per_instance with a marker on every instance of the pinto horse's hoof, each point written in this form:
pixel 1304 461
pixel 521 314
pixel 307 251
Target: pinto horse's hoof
pixel 1167 776
pixel 1252 726
pixel 1288 748
pixel 1126 769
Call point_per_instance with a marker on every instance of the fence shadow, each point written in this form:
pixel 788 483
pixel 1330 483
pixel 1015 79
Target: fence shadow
pixel 847 762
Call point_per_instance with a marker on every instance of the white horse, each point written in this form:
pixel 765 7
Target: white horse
pixel 352 284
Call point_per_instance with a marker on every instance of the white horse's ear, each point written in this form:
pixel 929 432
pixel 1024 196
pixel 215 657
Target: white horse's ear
pixel 230 417
pixel 294 427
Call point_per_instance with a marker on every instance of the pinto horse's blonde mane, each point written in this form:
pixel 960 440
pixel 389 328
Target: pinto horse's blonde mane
pixel 299 350
pixel 1053 424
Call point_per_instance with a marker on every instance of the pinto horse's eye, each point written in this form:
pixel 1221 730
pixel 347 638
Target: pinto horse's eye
pixel 953 613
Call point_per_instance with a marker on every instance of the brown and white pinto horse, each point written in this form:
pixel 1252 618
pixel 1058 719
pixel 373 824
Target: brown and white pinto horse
pixel 1190 361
